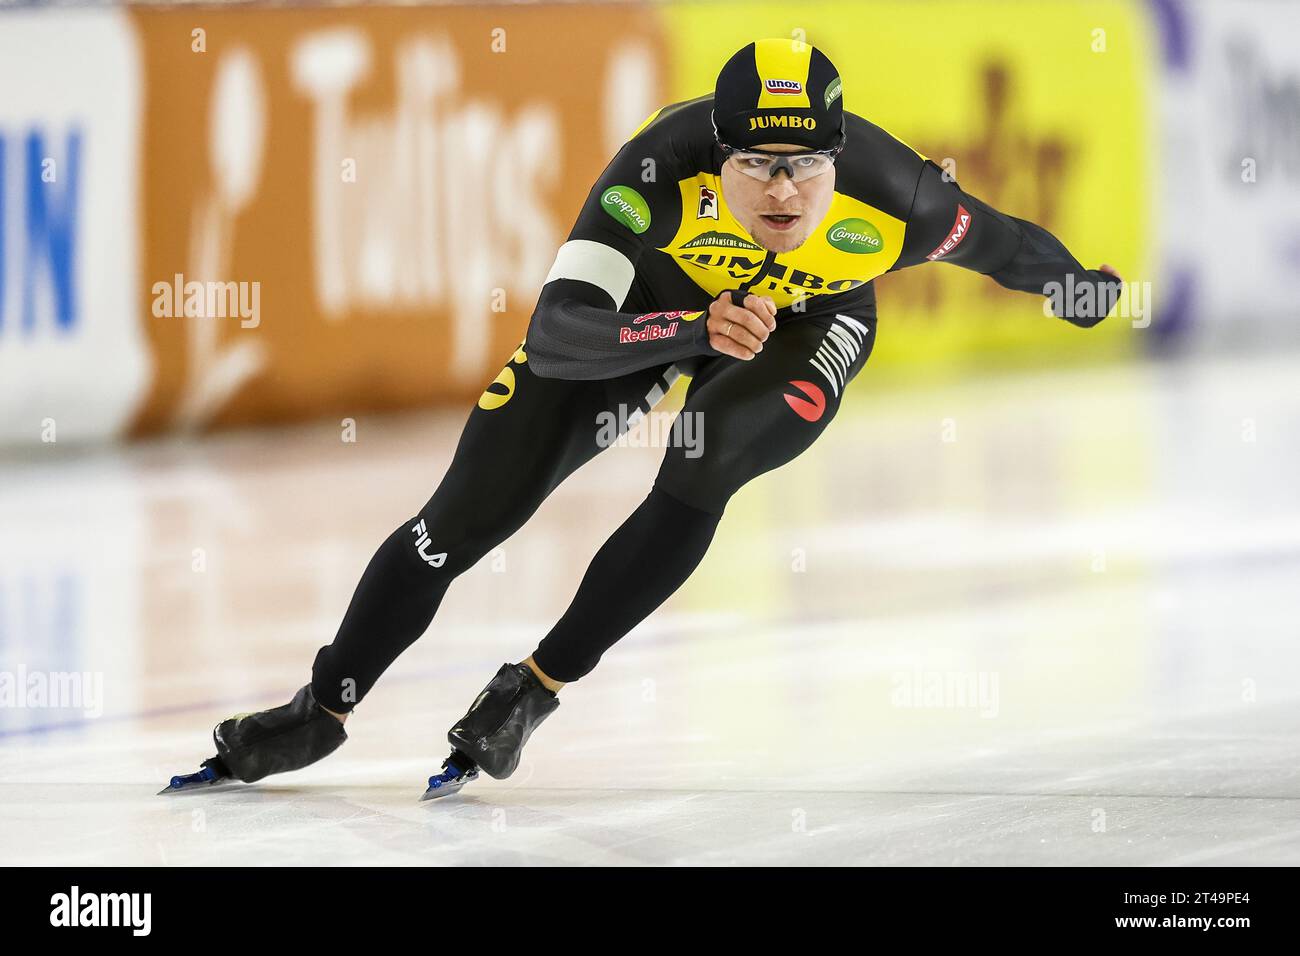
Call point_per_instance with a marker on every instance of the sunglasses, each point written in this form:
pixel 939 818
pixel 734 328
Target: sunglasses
pixel 762 164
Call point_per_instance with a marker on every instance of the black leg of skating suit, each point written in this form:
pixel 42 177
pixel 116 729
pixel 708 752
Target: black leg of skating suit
pixel 754 416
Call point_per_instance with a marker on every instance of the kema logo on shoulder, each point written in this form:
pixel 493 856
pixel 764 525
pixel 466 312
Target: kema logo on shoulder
pixel 955 235
pixel 627 206
pixel 856 236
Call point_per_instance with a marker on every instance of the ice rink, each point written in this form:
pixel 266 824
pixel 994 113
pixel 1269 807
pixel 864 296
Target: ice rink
pixel 1036 618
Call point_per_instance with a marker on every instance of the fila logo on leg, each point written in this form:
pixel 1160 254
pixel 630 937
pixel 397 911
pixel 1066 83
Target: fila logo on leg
pixel 422 546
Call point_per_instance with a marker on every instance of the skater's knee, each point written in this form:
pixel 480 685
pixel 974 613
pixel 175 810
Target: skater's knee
pixel 433 543
pixel 706 482
pixel 737 452
pixel 451 543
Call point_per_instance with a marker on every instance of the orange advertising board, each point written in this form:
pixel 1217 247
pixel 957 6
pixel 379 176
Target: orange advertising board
pixel 355 209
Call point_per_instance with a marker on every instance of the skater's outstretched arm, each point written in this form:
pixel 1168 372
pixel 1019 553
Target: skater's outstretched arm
pixel 948 224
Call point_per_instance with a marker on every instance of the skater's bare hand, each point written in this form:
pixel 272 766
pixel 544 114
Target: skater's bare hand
pixel 741 332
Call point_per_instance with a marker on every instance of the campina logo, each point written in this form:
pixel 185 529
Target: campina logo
pixel 627 206
pixel 856 236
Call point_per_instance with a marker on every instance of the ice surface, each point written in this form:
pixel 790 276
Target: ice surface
pixel 1044 619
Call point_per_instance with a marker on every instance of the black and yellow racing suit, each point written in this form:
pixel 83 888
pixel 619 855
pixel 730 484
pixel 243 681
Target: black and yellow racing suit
pixel 620 317
pixel 655 233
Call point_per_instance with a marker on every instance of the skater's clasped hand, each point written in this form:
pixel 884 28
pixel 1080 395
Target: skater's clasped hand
pixel 741 332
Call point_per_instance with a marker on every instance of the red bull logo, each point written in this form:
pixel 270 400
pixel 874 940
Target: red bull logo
pixel 680 313
pixel 627 334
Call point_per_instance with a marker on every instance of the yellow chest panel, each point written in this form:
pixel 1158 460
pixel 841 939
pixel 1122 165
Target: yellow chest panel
pixel 851 246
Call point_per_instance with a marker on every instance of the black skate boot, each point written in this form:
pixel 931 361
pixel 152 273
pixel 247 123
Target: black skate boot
pixel 252 746
pixel 501 720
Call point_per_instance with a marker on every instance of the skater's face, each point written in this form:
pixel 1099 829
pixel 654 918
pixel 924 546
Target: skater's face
pixel 779 213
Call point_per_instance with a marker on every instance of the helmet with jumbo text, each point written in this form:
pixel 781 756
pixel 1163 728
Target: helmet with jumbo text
pixel 779 91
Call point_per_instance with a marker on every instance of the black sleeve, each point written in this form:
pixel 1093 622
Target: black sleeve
pixel 576 333
pixel 949 225
pixel 576 330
